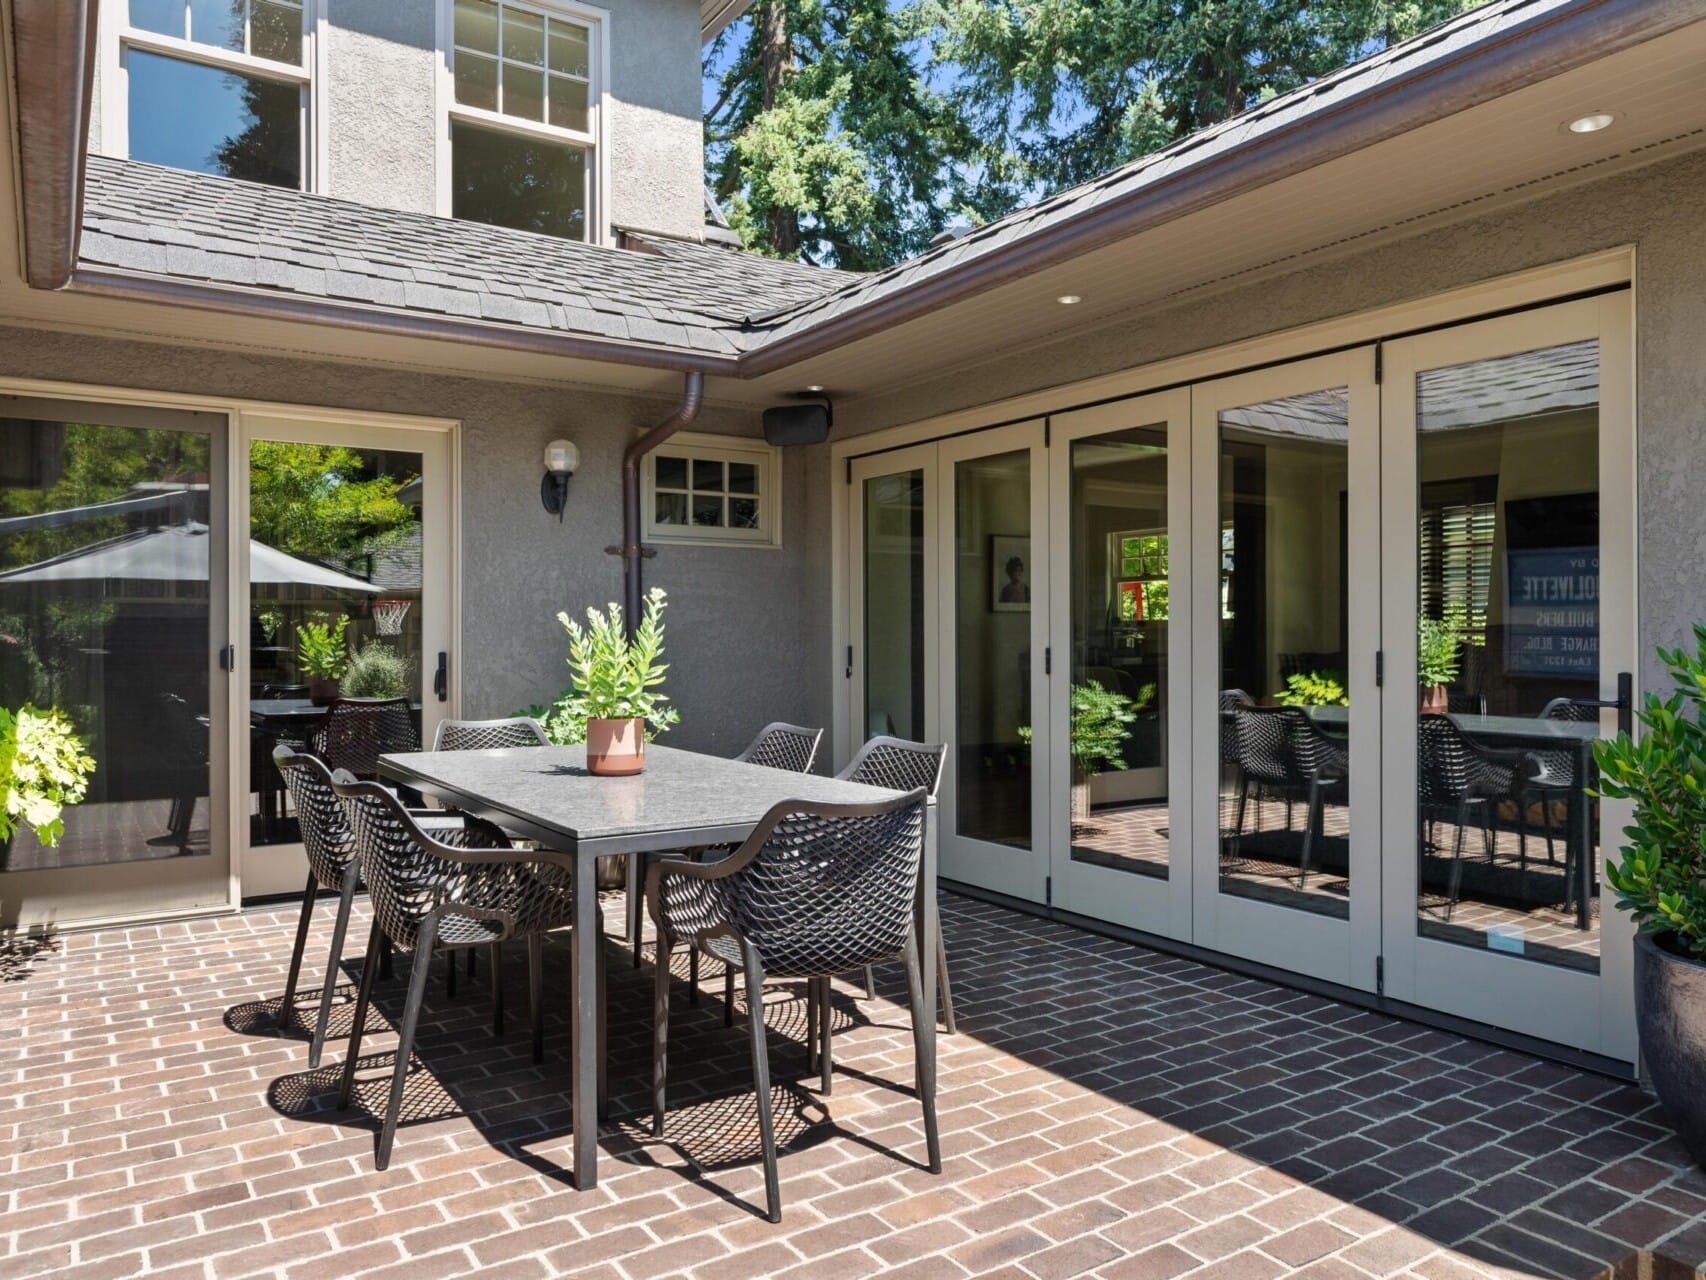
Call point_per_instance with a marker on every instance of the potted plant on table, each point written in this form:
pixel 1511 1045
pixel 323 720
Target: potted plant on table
pixel 324 656
pixel 1660 878
pixel 44 767
pixel 615 693
pixel 1438 645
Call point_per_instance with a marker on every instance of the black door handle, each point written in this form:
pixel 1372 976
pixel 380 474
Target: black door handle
pixel 441 678
pixel 1624 703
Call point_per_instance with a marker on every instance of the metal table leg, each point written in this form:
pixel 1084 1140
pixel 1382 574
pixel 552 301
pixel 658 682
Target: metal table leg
pixel 584 1049
pixel 928 929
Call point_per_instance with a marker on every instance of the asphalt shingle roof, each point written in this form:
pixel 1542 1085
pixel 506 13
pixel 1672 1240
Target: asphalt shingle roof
pixel 684 297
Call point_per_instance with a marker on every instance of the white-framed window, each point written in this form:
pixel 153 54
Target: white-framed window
pixel 713 489
pixel 522 107
pixel 216 86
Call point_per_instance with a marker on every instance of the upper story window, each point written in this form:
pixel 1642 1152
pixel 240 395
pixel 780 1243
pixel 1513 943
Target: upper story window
pixel 524 116
pixel 217 86
pixel 704 488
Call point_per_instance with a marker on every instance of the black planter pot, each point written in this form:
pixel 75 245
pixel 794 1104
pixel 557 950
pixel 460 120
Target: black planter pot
pixel 1670 1013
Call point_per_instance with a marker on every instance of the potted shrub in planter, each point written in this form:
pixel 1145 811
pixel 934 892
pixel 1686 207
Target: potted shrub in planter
pixel 44 767
pixel 1100 718
pixel 615 693
pixel 1438 642
pixel 324 657
pixel 1660 878
pixel 378 671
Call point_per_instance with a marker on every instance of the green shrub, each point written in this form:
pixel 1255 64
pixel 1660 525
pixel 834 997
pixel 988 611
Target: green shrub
pixel 378 671
pixel 1439 642
pixel 43 768
pixel 1099 720
pixel 321 649
pixel 1314 689
pixel 1660 877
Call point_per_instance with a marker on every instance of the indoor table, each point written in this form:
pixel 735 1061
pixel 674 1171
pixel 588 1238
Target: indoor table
pixel 681 800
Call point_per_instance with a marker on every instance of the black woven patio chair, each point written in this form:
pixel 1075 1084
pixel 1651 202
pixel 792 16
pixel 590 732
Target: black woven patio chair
pixel 355 732
pixel 487 735
pixel 816 890
pixel 1267 761
pixel 1456 775
pixel 1325 761
pixel 427 894
pixel 1558 773
pixel 901 765
pixel 330 846
pixel 779 745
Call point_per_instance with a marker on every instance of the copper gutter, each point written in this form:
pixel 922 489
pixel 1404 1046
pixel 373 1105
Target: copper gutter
pixel 52 54
pixel 631 550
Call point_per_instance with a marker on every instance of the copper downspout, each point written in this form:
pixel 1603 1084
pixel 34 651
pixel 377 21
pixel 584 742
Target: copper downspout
pixel 53 43
pixel 692 396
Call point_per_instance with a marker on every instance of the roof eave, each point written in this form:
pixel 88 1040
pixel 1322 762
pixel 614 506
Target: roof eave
pixel 714 15
pixel 51 44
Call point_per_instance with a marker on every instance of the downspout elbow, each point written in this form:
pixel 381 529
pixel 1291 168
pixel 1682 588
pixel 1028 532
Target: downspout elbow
pixel 692 398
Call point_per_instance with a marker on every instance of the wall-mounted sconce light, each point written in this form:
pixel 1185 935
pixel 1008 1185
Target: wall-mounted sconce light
pixel 561 459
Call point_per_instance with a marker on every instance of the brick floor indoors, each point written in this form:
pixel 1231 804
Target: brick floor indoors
pixel 1105 1110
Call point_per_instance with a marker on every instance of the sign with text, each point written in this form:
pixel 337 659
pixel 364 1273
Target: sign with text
pixel 1552 620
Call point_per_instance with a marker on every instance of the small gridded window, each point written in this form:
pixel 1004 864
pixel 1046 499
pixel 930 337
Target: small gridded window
pixel 270 29
pixel 521 63
pixel 703 493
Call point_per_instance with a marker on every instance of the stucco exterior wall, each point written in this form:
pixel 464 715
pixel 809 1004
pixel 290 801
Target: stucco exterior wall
pixel 379 93
pixel 748 627
pixel 1656 208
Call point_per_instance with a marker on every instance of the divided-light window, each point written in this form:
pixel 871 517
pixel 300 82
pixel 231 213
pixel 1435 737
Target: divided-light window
pixel 524 119
pixel 214 86
pixel 711 493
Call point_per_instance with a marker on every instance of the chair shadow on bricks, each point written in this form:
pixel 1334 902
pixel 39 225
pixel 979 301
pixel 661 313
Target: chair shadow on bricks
pixel 524 1110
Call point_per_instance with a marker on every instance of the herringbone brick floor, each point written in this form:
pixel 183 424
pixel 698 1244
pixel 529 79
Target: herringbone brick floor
pixel 1106 1110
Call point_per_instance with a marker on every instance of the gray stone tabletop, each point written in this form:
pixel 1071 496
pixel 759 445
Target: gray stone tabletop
pixel 683 798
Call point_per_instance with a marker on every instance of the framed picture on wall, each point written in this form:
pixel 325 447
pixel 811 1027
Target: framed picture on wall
pixel 1010 573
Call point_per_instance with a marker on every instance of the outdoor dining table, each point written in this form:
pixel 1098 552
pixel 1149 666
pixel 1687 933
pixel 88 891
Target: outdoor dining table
pixel 682 800
pixel 1532 733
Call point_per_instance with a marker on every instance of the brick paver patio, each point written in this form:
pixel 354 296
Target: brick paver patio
pixel 1106 1110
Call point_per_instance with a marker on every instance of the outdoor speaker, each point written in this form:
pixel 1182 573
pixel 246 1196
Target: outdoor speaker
pixel 796 424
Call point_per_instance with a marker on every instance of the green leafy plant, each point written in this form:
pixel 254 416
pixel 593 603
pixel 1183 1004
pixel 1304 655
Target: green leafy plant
pixel 1314 689
pixel 321 649
pixel 1660 877
pixel 1099 720
pixel 378 671
pixel 1439 643
pixel 612 677
pixel 43 768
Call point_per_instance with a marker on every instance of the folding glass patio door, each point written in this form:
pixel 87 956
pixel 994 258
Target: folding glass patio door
pixel 1509 622
pixel 351 528
pixel 115 548
pixel 1286 613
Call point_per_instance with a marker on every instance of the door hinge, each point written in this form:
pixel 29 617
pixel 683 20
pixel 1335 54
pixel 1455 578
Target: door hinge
pixel 1048 661
pixel 1048 432
pixel 1379 975
pixel 1379 363
pixel 1379 668
pixel 228 658
pixel 1048 891
pixel 849 471
pixel 849 662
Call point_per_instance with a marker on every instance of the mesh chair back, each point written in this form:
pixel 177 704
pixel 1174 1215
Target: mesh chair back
pixel 1265 745
pixel 830 888
pixel 783 746
pixel 1558 768
pixel 1452 768
pixel 1317 753
pixel 410 875
pixel 485 735
pixel 897 764
pixel 1230 701
pixel 357 731
pixel 326 834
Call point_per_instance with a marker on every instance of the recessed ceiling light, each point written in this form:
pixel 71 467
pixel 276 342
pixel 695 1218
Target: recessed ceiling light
pixel 1069 299
pixel 1591 123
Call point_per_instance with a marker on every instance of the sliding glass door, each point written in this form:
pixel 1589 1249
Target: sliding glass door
pixel 1119 687
pixel 1286 608
pixel 114 555
pixel 1509 527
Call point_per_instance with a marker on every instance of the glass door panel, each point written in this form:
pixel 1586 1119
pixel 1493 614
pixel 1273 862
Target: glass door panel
pixel 1287 546
pixel 349 546
pixel 113 571
pixel 994 567
pixel 1120 752
pixel 1511 509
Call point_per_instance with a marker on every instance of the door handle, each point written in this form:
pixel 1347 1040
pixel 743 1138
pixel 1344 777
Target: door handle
pixel 441 678
pixel 1623 703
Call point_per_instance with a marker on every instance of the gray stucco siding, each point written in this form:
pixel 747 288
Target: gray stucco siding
pixel 1655 208
pixel 747 627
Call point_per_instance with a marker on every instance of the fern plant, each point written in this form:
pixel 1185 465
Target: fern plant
pixel 44 767
pixel 1439 643
pixel 611 676
pixel 1099 720
pixel 1660 875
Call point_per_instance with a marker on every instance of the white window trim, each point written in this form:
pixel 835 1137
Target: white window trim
pixel 596 139
pixel 118 36
pixel 698 444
